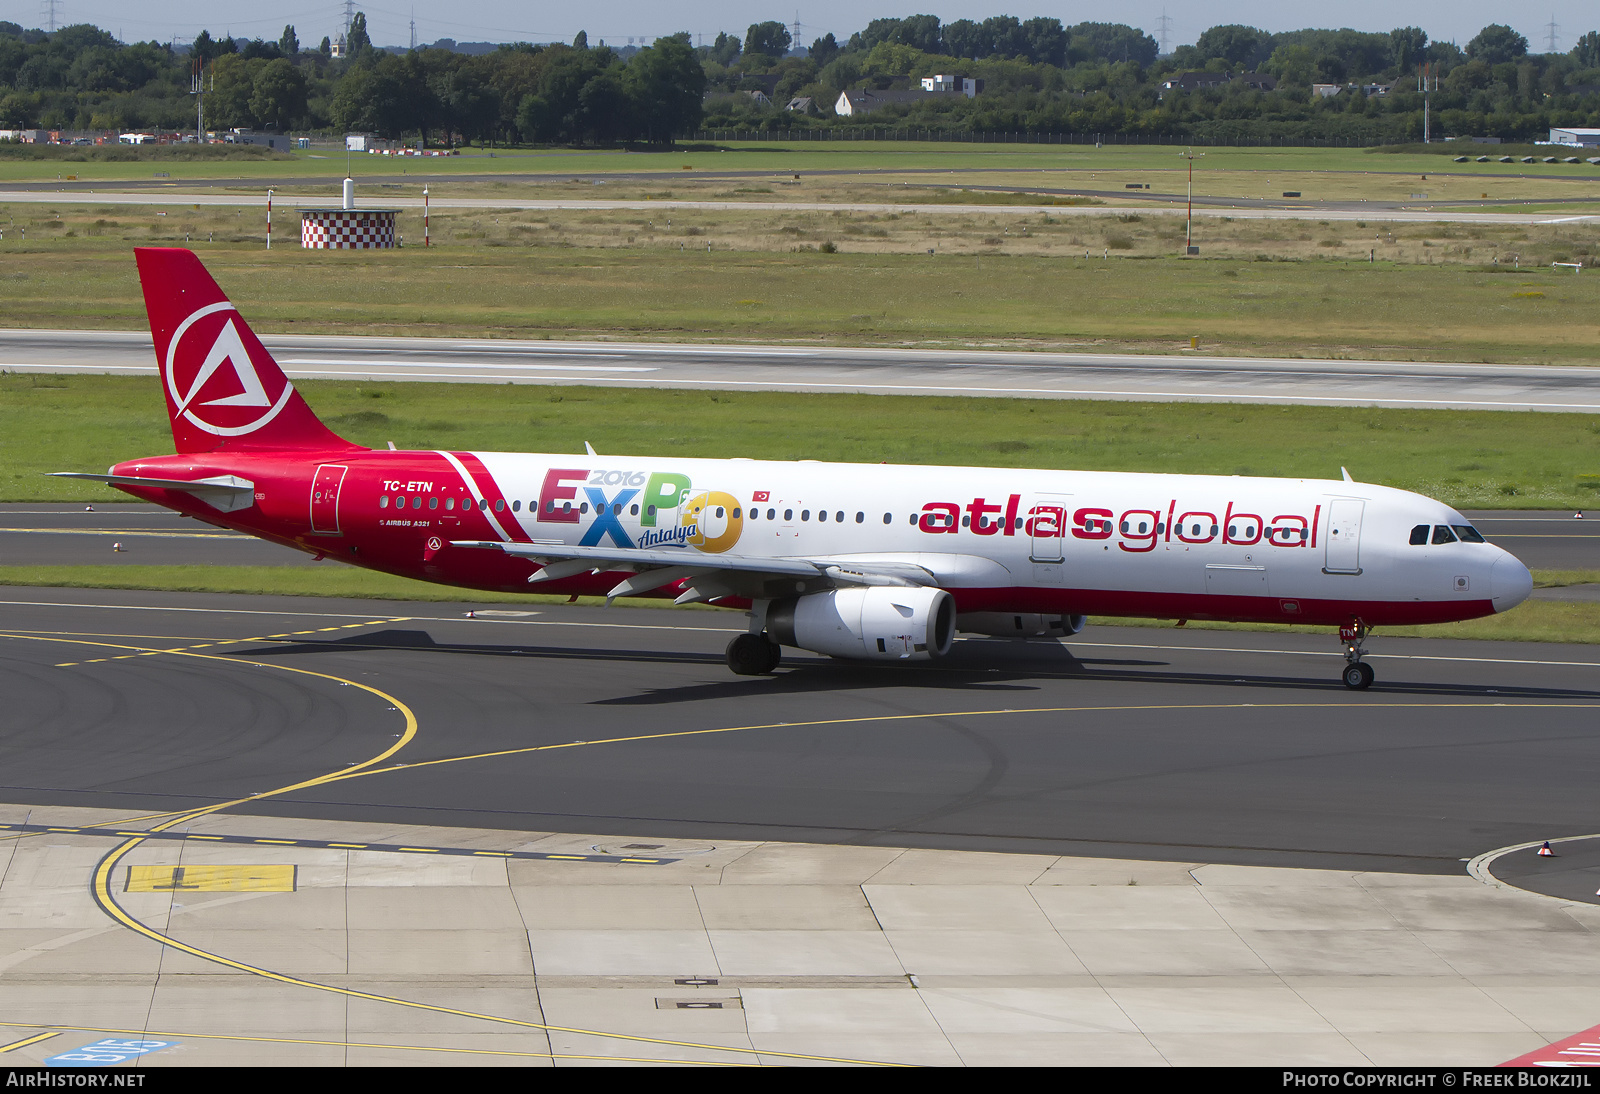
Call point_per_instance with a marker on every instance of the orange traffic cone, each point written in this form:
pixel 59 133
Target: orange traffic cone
pixel 1545 852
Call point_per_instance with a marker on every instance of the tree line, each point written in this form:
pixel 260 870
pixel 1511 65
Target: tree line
pixel 1039 74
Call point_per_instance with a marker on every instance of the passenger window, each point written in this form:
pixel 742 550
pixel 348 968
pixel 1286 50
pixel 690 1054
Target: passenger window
pixel 735 512
pixel 383 502
pixel 805 514
pixel 583 508
pixel 633 511
pixel 839 516
pixel 788 514
pixel 1231 532
pixel 449 504
pixel 1467 533
pixel 433 503
pixel 1124 526
pixel 966 522
pixel 1419 535
pixel 1443 534
pixel 887 517
pixel 516 506
pixel 771 514
pixel 416 502
pixel 860 517
pixel 822 515
pixel 499 505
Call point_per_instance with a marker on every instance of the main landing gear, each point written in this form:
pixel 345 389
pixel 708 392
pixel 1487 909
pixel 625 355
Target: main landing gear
pixel 1358 675
pixel 753 655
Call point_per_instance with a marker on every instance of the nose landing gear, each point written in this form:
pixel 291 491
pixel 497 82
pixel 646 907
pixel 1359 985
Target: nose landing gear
pixel 1358 675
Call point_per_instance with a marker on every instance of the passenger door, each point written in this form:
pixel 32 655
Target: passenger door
pixel 325 488
pixel 1343 549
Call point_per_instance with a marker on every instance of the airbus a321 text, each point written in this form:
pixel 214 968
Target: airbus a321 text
pixel 873 562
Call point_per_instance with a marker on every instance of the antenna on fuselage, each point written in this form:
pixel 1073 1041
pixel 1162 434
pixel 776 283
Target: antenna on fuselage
pixel 1346 475
pixel 589 448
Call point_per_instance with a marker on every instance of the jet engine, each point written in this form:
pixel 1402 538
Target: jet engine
pixel 876 623
pixel 1014 625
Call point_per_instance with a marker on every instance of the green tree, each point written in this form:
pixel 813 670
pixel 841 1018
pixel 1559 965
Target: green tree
pixel 1587 51
pixel 1407 47
pixel 769 38
pixel 823 50
pixel 581 40
pixel 666 84
pixel 725 50
pixel 1497 44
pixel 289 44
pixel 278 94
pixel 358 44
pixel 1237 45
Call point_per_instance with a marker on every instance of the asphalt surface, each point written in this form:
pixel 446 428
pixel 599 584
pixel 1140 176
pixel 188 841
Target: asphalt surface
pixel 874 371
pixel 38 534
pixel 1133 743
pixel 1418 212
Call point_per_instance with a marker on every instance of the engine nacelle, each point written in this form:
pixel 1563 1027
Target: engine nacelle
pixel 878 623
pixel 1016 625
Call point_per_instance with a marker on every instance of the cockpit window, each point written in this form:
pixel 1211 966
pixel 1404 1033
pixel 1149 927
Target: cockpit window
pixel 1443 534
pixel 1419 535
pixel 1467 533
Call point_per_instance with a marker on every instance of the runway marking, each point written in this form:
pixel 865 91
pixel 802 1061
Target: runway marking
pixel 350 615
pixel 1479 868
pixel 226 642
pixel 100 886
pixel 57 1030
pixel 125 533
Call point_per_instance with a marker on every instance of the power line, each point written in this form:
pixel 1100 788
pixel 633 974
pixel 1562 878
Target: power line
pixel 1550 39
pixel 50 7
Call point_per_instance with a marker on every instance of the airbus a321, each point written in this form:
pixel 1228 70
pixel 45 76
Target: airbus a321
pixel 870 562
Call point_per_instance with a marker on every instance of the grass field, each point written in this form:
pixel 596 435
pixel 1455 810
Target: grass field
pixel 1469 459
pixel 1532 621
pixel 993 282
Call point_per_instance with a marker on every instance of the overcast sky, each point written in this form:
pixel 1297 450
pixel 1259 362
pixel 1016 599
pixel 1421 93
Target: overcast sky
pixel 618 20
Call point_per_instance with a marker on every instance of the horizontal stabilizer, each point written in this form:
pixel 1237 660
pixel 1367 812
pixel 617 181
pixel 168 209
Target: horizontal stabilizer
pixel 223 492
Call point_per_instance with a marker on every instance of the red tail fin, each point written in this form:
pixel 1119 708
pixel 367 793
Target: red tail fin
pixel 223 388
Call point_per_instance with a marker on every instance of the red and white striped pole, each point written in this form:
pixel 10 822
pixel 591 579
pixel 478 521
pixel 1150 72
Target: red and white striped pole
pixel 425 216
pixel 269 220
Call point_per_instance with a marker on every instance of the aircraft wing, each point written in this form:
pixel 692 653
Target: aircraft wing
pixel 708 576
pixel 224 492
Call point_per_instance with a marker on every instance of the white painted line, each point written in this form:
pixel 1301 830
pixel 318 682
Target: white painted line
pixel 378 362
pixel 1479 868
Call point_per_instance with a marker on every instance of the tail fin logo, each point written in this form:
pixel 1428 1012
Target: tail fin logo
pixel 228 402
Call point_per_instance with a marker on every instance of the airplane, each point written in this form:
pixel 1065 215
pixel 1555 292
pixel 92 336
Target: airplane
pixel 866 562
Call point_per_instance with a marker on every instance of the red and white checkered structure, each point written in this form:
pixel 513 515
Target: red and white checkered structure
pixel 347 229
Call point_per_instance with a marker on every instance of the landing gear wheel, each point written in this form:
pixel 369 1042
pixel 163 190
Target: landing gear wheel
pixel 1358 676
pixel 752 655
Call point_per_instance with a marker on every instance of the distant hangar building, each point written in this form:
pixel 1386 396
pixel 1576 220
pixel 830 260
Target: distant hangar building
pixel 1586 138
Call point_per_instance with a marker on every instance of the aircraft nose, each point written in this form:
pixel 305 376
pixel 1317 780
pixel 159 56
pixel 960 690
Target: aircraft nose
pixel 1509 583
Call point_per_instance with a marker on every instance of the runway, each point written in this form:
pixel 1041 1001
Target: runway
pixel 1233 208
pixel 994 374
